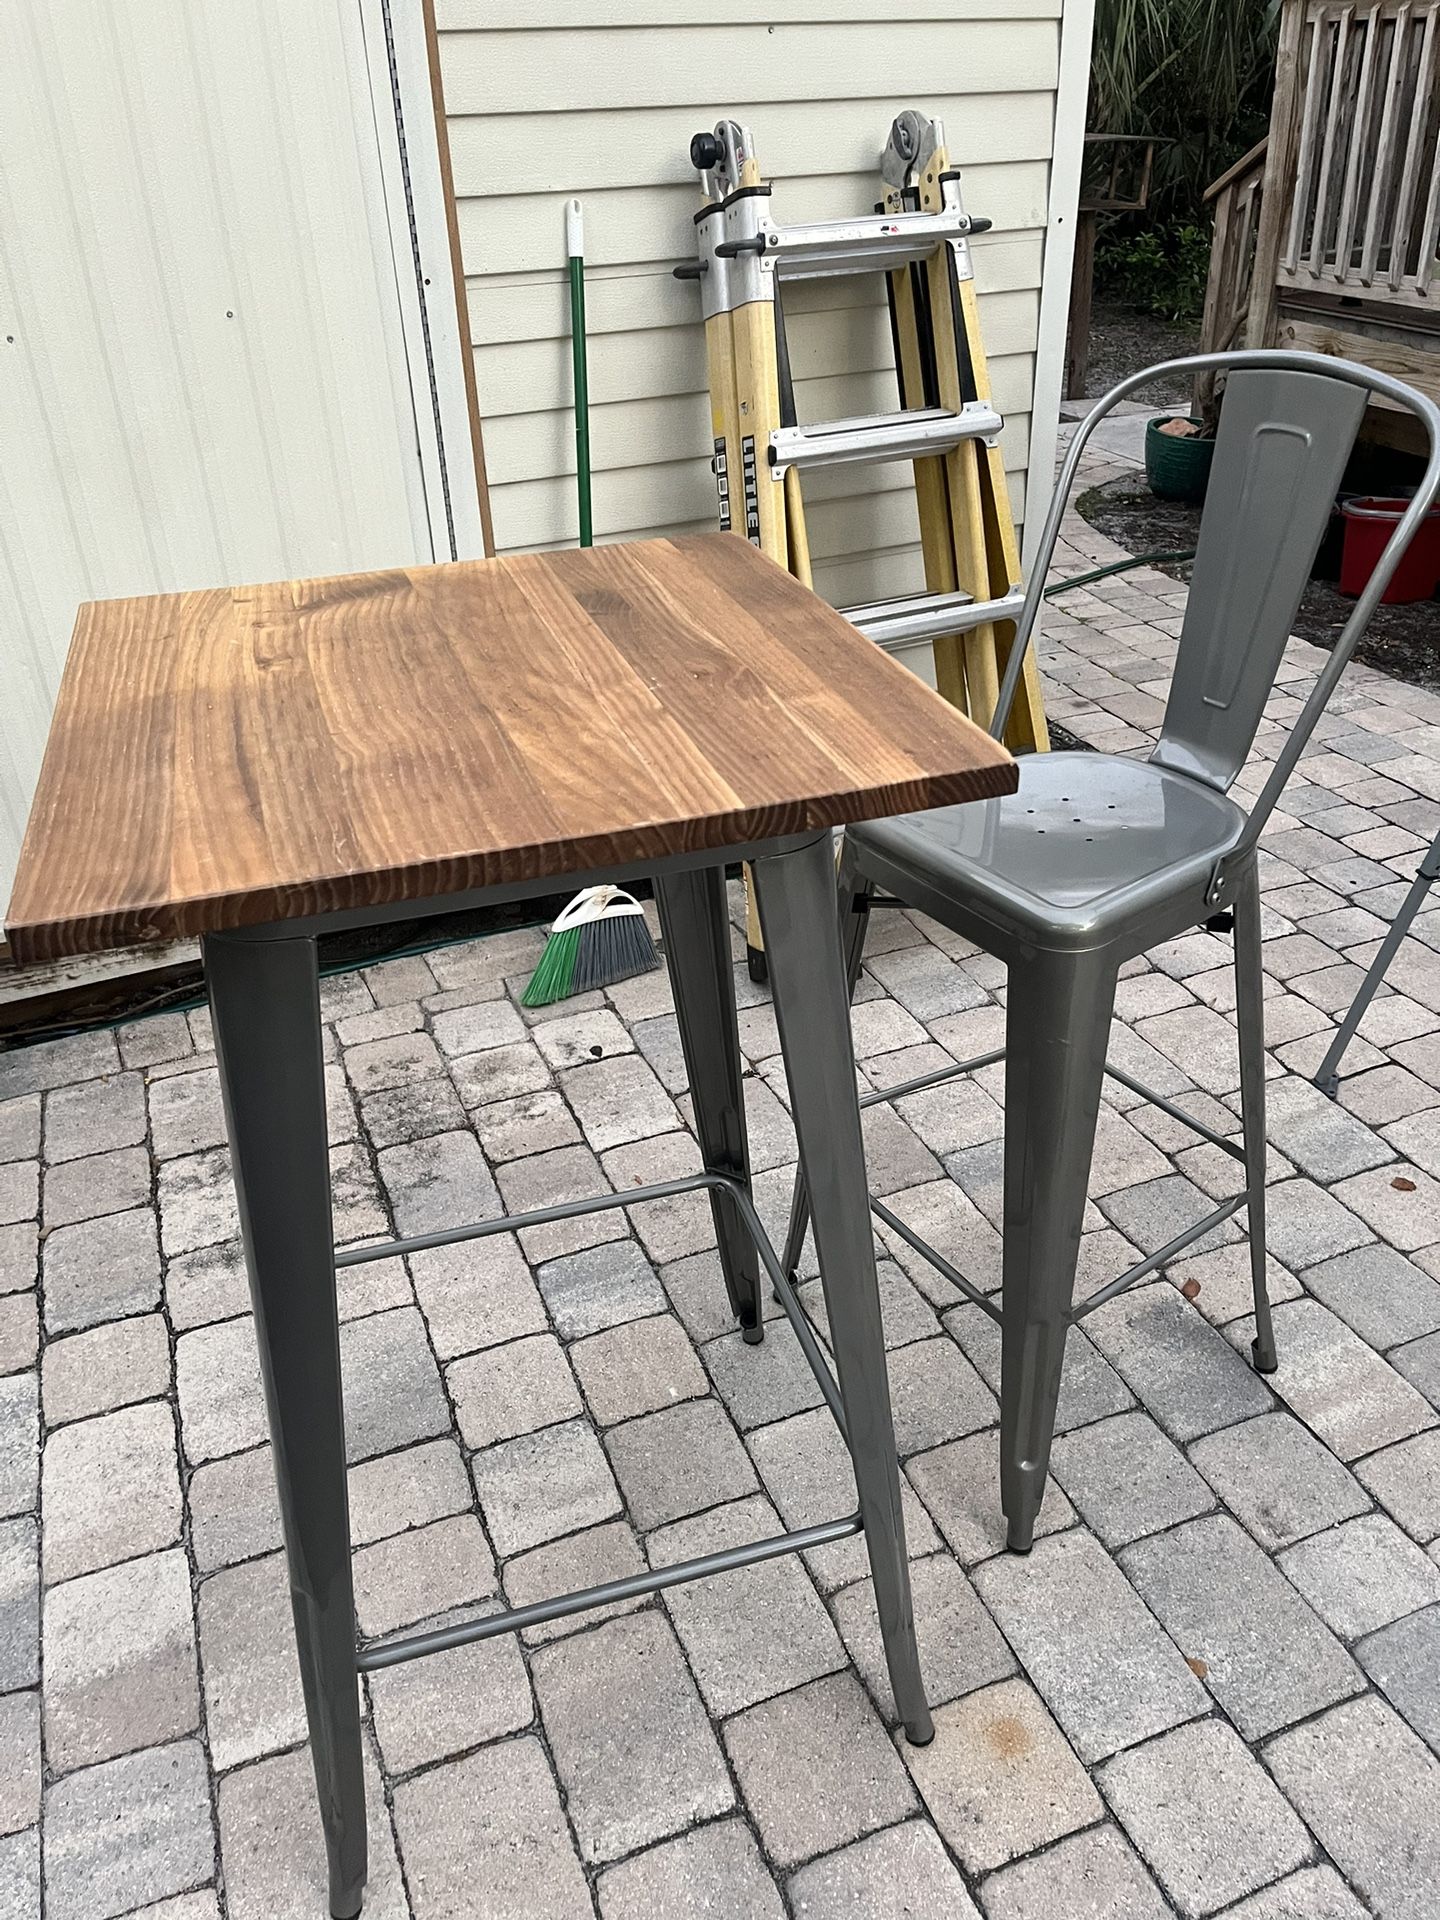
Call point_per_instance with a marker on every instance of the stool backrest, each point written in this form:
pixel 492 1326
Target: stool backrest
pixel 1287 426
pixel 1279 456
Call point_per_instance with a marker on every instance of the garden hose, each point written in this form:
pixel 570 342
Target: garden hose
pixel 1119 566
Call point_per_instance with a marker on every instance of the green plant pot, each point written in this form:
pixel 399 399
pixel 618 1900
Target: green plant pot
pixel 1177 468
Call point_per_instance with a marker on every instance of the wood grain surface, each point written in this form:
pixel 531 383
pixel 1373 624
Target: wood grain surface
pixel 248 754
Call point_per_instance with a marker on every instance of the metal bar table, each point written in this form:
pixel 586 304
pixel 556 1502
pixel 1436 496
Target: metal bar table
pixel 261 765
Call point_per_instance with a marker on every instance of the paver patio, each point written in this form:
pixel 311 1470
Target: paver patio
pixel 1213 1687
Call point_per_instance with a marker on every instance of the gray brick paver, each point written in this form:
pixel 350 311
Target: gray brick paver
pixel 1277 1479
pixel 817 1769
pixel 999 1778
pixel 1092 1876
pixel 634 1749
pixel 1211 1846
pixel 119 1649
pixel 903 1873
pixel 129 1831
pixel 20 1331
pixel 1371 1792
pixel 1363 1575
pixel 1108 1672
pixel 1338 1386
pixel 1268 1658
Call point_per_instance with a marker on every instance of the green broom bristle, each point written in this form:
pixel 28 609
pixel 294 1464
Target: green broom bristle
pixel 610 942
pixel 553 978
pixel 613 949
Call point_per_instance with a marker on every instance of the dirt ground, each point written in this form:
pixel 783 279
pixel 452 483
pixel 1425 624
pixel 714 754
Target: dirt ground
pixel 1122 341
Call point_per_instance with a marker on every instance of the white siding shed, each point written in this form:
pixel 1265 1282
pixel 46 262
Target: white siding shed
pixel 548 98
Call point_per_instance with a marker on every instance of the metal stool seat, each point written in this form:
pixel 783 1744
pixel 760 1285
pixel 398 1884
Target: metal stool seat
pixel 1088 841
pixel 1096 858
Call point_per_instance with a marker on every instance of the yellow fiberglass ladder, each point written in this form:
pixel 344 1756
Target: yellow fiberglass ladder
pixel 918 237
pixel 947 425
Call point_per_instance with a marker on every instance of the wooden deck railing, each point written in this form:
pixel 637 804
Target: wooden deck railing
pixel 1364 211
pixel 1235 197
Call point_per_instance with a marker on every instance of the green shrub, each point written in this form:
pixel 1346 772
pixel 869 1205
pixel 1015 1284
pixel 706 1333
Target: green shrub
pixel 1159 269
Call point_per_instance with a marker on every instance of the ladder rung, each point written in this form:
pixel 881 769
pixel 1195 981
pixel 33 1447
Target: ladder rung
pixel 918 434
pixel 874 243
pixel 927 616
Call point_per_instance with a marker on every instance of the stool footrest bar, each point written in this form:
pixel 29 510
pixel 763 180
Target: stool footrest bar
pixel 934 1079
pixel 1161 1256
pixel 1148 1094
pixel 374 1654
pixel 538 1217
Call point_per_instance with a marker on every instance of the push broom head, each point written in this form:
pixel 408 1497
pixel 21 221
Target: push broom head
pixel 600 938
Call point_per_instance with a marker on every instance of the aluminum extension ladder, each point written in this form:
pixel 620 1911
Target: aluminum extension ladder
pixel 918 238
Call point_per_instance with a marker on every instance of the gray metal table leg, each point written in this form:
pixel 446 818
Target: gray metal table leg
pixel 1327 1077
pixel 264 997
pixel 696 927
pixel 796 896
pixel 853 889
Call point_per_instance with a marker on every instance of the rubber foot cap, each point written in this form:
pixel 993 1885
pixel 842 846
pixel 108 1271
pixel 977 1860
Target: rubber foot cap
pixel 757 964
pixel 1266 1359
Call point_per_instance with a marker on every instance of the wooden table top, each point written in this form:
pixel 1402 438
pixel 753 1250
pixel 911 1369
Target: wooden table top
pixel 249 754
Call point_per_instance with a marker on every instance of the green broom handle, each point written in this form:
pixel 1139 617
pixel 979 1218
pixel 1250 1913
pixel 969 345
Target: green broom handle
pixel 575 247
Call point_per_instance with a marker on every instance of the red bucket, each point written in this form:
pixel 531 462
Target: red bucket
pixel 1369 522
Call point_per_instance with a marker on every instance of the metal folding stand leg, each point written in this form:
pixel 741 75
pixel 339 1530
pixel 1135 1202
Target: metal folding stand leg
pixel 1328 1076
pixel 264 999
pixel 1057 1025
pixel 1250 1021
pixel 696 927
pixel 796 896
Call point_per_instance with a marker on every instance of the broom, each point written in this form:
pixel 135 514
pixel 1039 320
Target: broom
pixel 599 938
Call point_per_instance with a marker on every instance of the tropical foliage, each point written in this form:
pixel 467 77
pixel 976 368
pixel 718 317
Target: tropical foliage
pixel 1197 76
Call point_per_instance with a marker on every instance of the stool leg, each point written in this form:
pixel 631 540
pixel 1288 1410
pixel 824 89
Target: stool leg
pixel 264 998
pixel 696 928
pixel 1057 1024
pixel 1250 1021
pixel 853 886
pixel 796 893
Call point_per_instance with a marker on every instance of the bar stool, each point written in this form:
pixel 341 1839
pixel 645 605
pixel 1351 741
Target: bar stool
pixel 1097 858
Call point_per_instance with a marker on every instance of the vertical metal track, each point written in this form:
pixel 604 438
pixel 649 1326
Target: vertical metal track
pixel 419 270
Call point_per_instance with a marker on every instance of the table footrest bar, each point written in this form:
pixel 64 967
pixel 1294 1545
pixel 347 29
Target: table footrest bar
pixel 372 1655
pixel 1161 1256
pixel 937 1260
